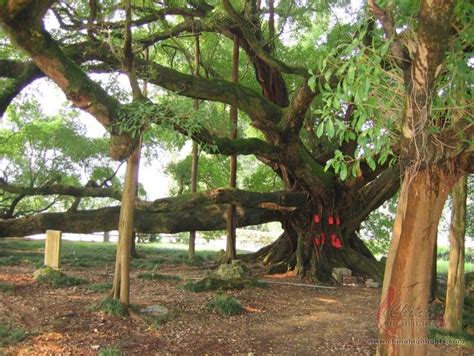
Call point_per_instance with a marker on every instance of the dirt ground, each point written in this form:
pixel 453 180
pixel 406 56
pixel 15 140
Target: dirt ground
pixel 278 319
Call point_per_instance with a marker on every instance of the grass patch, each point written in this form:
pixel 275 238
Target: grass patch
pixel 21 258
pixel 443 267
pixel 148 264
pixel 111 351
pixel 150 276
pixel 6 287
pixel 158 321
pixel 461 338
pixel 109 306
pixel 10 335
pixel 225 305
pixel 17 251
pixel 212 284
pixel 57 279
pixel 216 284
pixel 100 287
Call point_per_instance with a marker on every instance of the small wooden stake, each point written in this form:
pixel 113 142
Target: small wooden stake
pixel 52 251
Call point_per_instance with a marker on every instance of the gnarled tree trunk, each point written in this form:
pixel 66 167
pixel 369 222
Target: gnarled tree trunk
pixel 403 312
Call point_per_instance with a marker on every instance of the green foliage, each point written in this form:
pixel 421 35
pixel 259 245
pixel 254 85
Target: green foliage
pixel 225 305
pixel 7 287
pixel 136 116
pixel 157 276
pixel 443 254
pixel 10 335
pixel 100 287
pixel 212 284
pixel 109 306
pixel 38 150
pixel 57 279
pixel 377 229
pixel 213 172
pixel 442 267
pixel 462 338
pixel 111 351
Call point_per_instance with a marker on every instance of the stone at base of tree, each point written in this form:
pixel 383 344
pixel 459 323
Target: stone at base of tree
pixel 338 273
pixel 220 257
pixel 155 310
pixel 369 283
pixel 349 281
pixel 237 269
pixel 469 283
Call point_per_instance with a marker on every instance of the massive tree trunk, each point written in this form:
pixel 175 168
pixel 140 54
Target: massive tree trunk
pixel 316 238
pixel 457 230
pixel 403 312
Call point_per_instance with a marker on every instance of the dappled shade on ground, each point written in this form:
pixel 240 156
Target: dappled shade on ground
pixel 276 318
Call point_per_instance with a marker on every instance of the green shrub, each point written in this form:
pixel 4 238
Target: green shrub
pixel 6 287
pixel 211 283
pixel 10 335
pixel 100 287
pixel 111 351
pixel 109 306
pixel 157 276
pixel 461 338
pixel 225 305
pixel 55 278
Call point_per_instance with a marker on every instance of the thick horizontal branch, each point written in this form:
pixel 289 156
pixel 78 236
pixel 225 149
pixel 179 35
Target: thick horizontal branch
pixel 242 146
pixel 263 113
pixel 213 217
pixel 282 200
pixel 58 189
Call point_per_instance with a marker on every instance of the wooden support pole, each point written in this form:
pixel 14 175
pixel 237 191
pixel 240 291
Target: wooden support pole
pixel 52 250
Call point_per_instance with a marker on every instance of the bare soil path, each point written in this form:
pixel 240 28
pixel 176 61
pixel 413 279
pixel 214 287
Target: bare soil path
pixel 278 319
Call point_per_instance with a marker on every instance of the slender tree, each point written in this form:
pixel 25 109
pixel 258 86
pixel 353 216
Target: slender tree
pixel 457 229
pixel 121 286
pixel 231 248
pixel 195 153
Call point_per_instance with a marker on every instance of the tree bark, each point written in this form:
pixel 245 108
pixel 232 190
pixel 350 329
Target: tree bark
pixel 121 287
pixel 403 312
pixel 434 272
pixel 195 156
pixel 194 173
pixel 203 211
pixel 231 248
pixel 457 230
